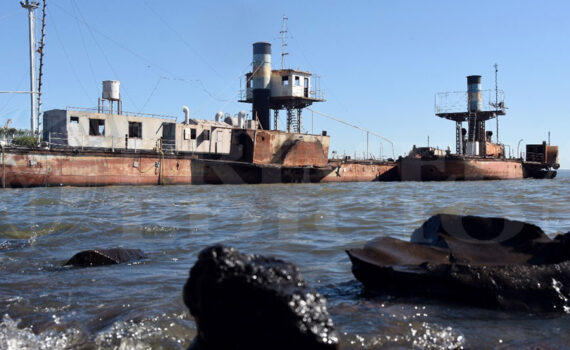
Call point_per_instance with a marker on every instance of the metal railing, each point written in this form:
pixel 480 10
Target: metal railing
pixel 456 101
pixel 59 140
pixel 315 91
pixel 128 114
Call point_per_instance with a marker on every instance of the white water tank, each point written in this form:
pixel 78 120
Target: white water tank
pixel 111 90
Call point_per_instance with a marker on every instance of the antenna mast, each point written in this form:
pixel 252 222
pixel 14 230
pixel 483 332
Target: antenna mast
pixel 497 99
pixel 283 41
pixel 40 72
pixel 31 6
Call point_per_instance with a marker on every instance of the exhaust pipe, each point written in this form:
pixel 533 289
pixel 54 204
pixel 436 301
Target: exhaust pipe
pixel 186 111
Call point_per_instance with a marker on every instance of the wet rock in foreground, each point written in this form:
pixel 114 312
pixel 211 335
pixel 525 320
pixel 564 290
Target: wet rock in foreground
pixel 242 301
pixel 491 262
pixel 110 256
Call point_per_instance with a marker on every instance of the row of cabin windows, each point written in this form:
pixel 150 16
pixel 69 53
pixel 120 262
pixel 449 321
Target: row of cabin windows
pixel 97 127
pixel 285 81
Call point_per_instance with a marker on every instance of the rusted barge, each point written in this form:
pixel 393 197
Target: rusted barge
pixel 476 156
pixel 105 146
pixel 57 167
pixel 108 147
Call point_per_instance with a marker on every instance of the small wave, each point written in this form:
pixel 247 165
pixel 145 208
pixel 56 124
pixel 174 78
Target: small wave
pixel 13 244
pixel 423 336
pixel 156 332
pixel 14 338
pixel 158 229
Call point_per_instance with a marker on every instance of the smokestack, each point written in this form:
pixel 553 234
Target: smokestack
pixel 261 90
pixel 474 97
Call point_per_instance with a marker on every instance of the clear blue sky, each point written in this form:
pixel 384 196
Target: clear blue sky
pixel 381 62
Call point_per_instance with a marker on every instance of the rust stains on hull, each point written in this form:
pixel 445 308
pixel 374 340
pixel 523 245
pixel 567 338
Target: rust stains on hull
pixel 47 168
pixel 33 168
pixel 446 169
pixel 356 171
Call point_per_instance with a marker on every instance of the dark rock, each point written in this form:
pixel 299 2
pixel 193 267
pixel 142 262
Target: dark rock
pixel 110 256
pixel 242 301
pixel 491 262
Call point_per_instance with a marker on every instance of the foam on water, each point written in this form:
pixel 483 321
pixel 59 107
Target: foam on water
pixel 14 338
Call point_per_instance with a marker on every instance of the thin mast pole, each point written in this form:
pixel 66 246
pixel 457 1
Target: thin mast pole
pixel 31 6
pixel 40 72
pixel 497 100
pixel 283 41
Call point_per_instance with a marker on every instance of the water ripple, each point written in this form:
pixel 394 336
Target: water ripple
pixel 139 305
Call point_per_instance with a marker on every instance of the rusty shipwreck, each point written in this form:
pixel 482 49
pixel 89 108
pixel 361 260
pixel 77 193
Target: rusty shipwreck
pixel 476 156
pixel 106 146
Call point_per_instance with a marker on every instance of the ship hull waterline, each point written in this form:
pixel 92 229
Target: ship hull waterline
pixel 36 168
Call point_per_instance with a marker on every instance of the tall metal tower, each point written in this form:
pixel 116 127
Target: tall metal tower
pixel 31 6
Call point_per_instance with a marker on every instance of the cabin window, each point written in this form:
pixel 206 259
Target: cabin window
pixel 285 80
pixel 74 120
pixel 297 81
pixel 306 82
pixel 190 134
pixel 206 135
pixel 96 127
pixel 135 130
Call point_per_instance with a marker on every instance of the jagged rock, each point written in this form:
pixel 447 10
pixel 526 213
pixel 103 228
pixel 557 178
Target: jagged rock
pixel 110 256
pixel 491 262
pixel 242 301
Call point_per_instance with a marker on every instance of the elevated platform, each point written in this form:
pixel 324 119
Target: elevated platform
pixel 464 116
pixel 284 102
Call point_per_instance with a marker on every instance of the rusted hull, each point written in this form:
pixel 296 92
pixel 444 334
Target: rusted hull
pixel 49 168
pixel 33 168
pixel 362 172
pixel 538 171
pixel 224 172
pixel 446 169
pixel 227 172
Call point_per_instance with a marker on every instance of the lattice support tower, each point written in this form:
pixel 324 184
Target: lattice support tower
pixel 299 120
pixel 290 119
pixel 275 119
pixel 458 138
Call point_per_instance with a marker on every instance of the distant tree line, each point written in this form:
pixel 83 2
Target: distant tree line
pixel 19 137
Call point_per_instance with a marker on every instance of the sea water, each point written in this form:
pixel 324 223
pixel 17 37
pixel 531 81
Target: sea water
pixel 139 305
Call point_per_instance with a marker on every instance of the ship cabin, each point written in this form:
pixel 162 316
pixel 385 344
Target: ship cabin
pixel 227 137
pixel 136 132
pixel 286 84
pixel 290 83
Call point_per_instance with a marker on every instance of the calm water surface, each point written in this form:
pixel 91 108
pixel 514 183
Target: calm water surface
pixel 139 305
